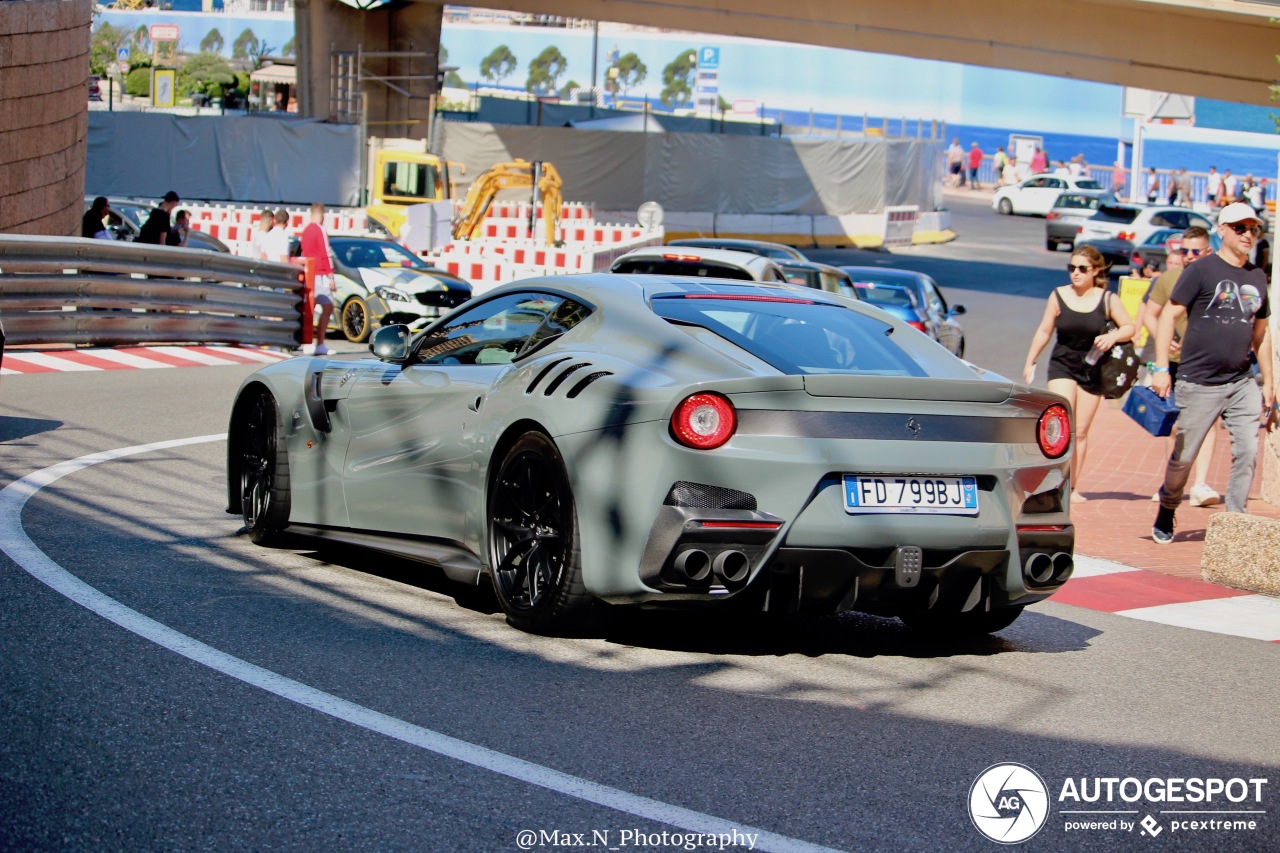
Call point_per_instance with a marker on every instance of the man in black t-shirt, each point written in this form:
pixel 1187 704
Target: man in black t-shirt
pixel 156 228
pixel 1224 298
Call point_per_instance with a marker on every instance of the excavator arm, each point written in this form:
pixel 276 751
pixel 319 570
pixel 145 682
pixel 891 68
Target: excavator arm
pixel 517 174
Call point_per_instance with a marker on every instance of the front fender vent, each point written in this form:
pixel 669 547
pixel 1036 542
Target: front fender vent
pixel 702 496
pixel 585 381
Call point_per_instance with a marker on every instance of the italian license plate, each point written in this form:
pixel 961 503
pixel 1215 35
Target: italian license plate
pixel 920 495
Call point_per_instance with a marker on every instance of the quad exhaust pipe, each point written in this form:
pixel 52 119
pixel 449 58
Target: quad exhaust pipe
pixel 731 566
pixel 1043 568
pixel 694 565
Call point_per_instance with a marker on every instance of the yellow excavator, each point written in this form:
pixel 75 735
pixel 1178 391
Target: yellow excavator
pixel 517 174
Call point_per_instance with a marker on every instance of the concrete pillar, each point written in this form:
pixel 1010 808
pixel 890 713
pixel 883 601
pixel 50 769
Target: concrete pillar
pixel 324 26
pixel 44 115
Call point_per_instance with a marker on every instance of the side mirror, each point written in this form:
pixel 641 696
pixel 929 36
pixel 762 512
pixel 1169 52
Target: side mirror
pixel 391 343
pixel 957 310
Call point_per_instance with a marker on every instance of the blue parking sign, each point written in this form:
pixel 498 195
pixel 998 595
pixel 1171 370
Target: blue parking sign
pixel 709 57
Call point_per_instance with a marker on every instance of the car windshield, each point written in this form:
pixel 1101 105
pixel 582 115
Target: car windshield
pixel 878 293
pixel 678 266
pixel 795 335
pixel 373 253
pixel 1113 213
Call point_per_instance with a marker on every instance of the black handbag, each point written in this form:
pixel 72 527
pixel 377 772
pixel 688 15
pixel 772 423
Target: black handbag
pixel 1119 367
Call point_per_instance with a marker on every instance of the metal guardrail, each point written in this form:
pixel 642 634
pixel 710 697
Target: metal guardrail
pixel 69 290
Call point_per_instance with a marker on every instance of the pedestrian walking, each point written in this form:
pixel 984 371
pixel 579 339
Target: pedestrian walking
pixel 1039 161
pixel 1117 179
pixel 975 163
pixel 1076 316
pixel 315 245
pixel 93 224
pixel 955 163
pixel 1224 299
pixel 1186 190
pixel 1230 188
pixel 258 242
pixel 1153 186
pixel 156 229
pixel 998 162
pixel 177 235
pixel 1213 187
pixel 1194 246
pixel 275 245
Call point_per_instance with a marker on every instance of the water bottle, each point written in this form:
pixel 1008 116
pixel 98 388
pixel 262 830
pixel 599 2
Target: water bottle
pixel 1093 356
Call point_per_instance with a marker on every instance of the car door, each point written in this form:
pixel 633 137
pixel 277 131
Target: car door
pixel 1040 199
pixel 947 330
pixel 409 464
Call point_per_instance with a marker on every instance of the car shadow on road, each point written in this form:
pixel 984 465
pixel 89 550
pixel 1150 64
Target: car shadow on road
pixel 718 630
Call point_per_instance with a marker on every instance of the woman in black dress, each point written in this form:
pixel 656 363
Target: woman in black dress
pixel 1078 314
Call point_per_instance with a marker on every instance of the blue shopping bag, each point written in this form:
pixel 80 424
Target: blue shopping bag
pixel 1153 413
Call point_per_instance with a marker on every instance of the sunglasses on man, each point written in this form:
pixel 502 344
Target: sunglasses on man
pixel 1195 253
pixel 1241 228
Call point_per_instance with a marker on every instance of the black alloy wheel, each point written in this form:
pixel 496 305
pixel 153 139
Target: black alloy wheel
pixel 355 320
pixel 264 470
pixel 533 549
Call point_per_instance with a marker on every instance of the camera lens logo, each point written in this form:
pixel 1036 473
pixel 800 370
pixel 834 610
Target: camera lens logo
pixel 1008 803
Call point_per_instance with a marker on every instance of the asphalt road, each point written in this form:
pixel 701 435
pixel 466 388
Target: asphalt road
pixel 187 690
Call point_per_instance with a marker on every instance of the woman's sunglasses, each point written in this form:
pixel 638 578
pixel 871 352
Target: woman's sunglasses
pixel 1240 228
pixel 1074 268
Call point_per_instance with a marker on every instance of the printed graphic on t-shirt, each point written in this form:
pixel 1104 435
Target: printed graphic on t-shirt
pixel 1233 303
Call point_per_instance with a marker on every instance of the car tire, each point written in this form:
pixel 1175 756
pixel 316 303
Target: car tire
pixel 355 320
pixel 957 625
pixel 264 470
pixel 1006 206
pixel 535 561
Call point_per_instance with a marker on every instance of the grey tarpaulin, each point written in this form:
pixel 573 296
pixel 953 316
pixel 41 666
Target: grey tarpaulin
pixel 226 158
pixel 710 172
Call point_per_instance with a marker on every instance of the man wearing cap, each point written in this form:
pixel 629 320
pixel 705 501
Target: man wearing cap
pixel 156 228
pixel 1224 300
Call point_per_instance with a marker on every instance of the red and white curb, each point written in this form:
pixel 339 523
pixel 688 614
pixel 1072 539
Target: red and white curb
pixel 132 358
pixel 1182 602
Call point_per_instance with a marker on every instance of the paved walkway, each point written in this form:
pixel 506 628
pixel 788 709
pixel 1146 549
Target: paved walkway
pixel 1124 468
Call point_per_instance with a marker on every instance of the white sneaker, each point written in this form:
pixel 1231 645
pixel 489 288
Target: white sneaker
pixel 1203 495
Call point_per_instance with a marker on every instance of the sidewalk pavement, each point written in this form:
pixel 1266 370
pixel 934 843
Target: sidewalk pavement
pixel 1132 575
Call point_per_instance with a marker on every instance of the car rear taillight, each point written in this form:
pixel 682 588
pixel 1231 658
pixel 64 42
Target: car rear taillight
pixel 1136 260
pixel 1127 235
pixel 1052 216
pixel 917 325
pixel 1053 433
pixel 704 421
pixel 1079 229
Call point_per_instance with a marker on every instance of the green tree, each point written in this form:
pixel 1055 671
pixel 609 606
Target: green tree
pixel 142 39
pixel 566 91
pixel 677 78
pixel 103 44
pixel 631 72
pixel 207 72
pixel 497 65
pixel 212 42
pixel 545 70
pixel 138 82
pixel 454 80
pixel 724 106
pixel 290 47
pixel 259 52
pixel 244 45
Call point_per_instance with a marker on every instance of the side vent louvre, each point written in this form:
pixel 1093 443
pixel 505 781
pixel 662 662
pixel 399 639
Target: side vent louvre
pixel 565 374
pixel 543 373
pixel 577 389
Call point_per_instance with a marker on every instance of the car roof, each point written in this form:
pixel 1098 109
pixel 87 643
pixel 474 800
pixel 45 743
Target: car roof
pixel 810 265
pixel 714 242
pixel 907 276
pixel 728 257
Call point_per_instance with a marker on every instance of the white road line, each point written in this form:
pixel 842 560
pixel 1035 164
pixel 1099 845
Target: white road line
pixel 1090 567
pixel 1254 616
pixel 192 355
pixel 15 542
pixel 39 359
pixel 252 353
pixel 128 359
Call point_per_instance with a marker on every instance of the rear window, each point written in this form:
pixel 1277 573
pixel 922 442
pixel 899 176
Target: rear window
pixel 1078 202
pixel 797 336
pixel 1111 213
pixel 1088 184
pixel 885 294
pixel 663 266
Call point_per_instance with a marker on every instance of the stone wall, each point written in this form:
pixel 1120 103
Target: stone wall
pixel 44 70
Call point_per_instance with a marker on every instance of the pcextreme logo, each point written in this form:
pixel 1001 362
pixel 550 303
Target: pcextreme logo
pixel 1009 803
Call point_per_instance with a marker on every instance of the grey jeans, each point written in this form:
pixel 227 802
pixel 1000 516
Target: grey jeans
pixel 1201 406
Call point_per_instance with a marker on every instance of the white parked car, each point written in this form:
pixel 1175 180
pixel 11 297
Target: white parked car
pixel 1037 194
pixel 1137 222
pixel 698 263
